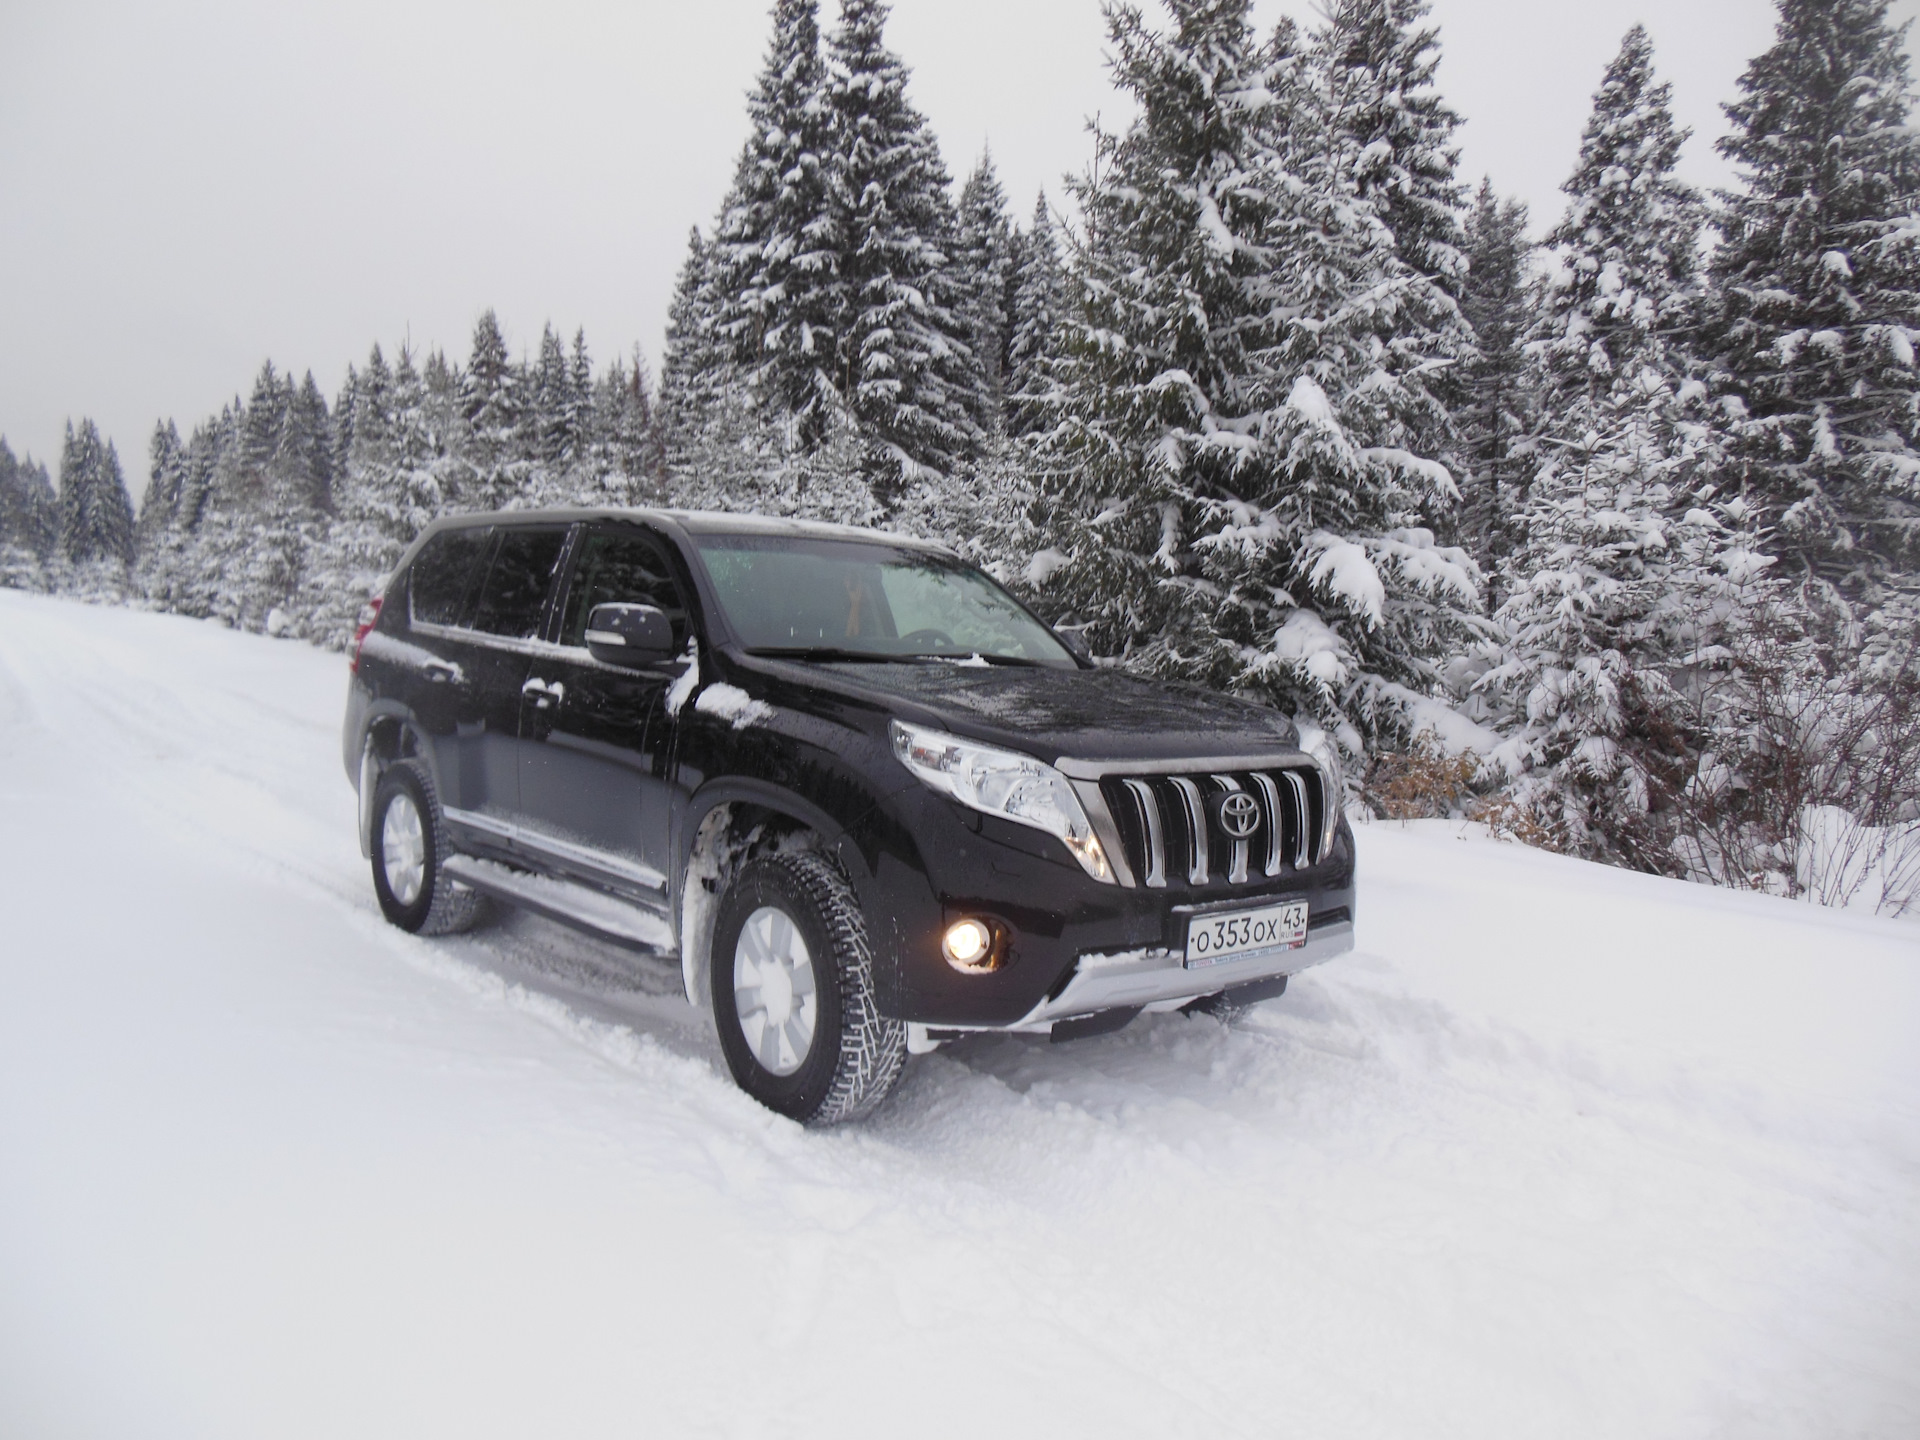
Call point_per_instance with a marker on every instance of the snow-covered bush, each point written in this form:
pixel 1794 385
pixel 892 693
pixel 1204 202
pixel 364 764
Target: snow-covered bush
pixel 1807 781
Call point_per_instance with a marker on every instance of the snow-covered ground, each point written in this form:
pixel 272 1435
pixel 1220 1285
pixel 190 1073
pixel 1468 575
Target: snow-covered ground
pixel 1561 1151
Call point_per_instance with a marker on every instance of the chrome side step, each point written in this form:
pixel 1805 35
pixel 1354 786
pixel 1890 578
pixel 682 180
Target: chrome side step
pixel 599 915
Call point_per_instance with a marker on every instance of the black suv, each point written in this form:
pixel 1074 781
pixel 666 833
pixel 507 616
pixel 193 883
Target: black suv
pixel 869 801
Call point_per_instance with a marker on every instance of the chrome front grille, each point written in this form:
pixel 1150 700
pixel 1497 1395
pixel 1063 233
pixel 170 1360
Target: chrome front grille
pixel 1172 833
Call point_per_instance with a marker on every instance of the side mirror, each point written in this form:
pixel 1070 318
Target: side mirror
pixel 630 636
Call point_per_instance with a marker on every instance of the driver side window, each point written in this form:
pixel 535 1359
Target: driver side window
pixel 616 568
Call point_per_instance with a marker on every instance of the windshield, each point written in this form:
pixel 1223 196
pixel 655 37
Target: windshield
pixel 866 600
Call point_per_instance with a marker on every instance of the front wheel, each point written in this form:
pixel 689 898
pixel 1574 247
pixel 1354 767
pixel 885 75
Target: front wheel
pixel 409 845
pixel 793 992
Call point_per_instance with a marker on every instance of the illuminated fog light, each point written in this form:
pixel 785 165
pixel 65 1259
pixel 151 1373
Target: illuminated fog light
pixel 968 945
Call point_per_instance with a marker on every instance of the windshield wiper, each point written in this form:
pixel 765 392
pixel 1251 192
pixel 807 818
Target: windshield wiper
pixel 836 653
pixel 968 656
pixel 825 653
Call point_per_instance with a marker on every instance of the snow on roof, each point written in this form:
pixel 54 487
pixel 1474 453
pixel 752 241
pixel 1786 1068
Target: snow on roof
pixel 694 522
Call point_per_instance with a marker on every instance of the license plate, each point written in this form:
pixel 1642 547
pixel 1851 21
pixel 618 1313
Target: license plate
pixel 1215 939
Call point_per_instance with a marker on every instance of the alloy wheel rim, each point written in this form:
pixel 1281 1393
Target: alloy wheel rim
pixel 773 990
pixel 403 849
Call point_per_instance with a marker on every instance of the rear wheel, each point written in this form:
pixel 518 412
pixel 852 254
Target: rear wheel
pixel 793 993
pixel 409 845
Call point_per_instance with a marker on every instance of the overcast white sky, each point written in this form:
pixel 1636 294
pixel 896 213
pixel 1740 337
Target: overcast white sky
pixel 188 187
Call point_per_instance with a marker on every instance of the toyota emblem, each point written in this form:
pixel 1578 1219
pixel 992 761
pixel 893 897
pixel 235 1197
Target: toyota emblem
pixel 1239 815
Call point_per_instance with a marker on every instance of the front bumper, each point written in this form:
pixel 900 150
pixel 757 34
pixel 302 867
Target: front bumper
pixel 1155 979
pixel 1075 947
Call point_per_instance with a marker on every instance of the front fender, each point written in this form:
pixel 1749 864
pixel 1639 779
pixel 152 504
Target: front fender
pixel 698 845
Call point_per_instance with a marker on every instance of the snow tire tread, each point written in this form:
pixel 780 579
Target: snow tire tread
pixel 873 1048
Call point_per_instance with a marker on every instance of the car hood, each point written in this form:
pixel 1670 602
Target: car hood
pixel 1099 714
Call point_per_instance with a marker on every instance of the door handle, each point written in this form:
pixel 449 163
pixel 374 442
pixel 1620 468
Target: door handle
pixel 542 694
pixel 442 672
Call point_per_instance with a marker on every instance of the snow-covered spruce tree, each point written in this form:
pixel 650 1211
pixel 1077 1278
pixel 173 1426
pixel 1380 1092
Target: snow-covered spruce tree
pixel 29 521
pixel 1631 568
pixel 624 442
pixel 1494 412
pixel 167 478
pixel 489 403
pixel 1036 313
pixel 303 465
pixel 579 398
pixel 715 442
pixel 983 268
pixel 425 402
pixel 1377 62
pixel 777 243
pixel 983 506
pixel 172 573
pixel 262 419
pixel 1626 250
pixel 232 522
pixel 828 482
pixel 28 517
pixel 547 422
pixel 608 440
pixel 1817 294
pixel 983 509
pixel 553 437
pixel 378 504
pixel 906 369
pixel 159 542
pixel 96 513
pixel 720 451
pixel 1234 500
pixel 13 498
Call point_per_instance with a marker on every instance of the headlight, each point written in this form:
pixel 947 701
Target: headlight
pixel 1000 782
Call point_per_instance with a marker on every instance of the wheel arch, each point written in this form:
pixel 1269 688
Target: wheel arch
pixel 388 733
pixel 726 822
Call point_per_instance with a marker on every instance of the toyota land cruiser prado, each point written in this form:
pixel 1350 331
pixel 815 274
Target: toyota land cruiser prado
pixel 869 801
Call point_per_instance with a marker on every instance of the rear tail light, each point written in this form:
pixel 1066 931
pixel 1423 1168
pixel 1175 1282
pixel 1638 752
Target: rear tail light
pixel 369 617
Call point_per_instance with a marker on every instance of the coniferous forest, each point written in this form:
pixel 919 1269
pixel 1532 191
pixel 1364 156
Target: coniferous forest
pixel 1611 541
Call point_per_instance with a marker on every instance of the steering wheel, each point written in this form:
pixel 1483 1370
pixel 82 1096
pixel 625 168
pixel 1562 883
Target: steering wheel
pixel 929 636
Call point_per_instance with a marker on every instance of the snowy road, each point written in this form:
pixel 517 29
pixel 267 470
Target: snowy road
pixel 1560 1152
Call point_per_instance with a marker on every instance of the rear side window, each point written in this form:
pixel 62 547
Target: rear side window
pixel 616 568
pixel 515 591
pixel 443 574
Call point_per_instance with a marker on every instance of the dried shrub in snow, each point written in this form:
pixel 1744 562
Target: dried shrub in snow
pixel 1425 782
pixel 1507 819
pixel 1430 782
